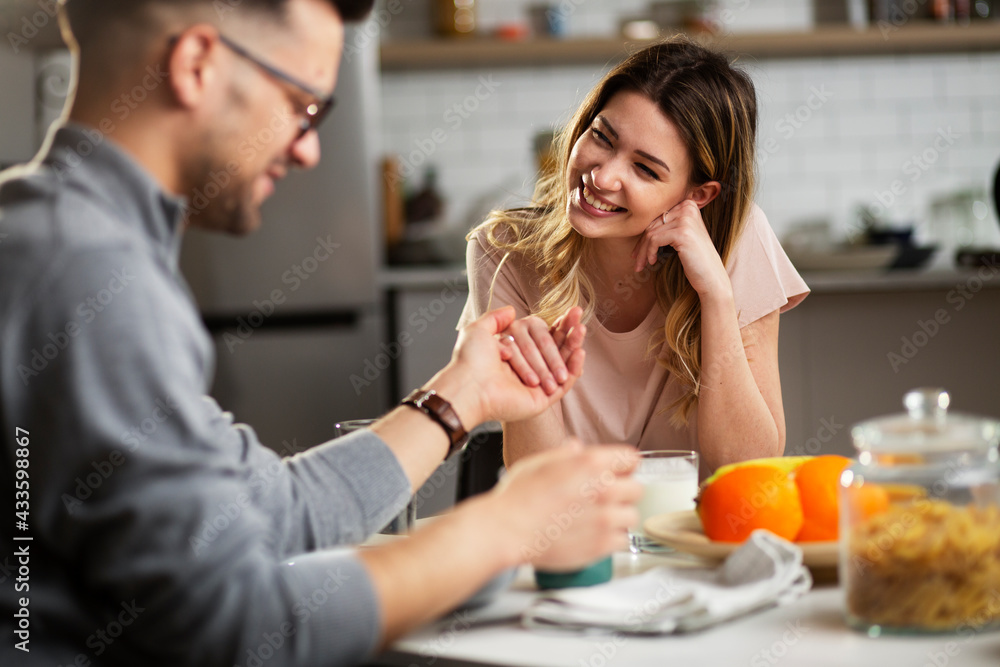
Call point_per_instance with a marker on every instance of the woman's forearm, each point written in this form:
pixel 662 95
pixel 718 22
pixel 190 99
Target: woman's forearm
pixel 530 436
pixel 739 406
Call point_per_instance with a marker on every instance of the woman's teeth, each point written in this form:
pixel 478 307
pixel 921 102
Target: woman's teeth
pixel 597 203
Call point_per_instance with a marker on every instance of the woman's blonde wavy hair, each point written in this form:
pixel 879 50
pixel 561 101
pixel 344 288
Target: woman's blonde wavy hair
pixel 713 106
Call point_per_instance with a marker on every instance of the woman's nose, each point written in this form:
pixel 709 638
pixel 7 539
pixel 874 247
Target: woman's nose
pixel 606 176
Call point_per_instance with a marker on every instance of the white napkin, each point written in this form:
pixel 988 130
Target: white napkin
pixel 766 571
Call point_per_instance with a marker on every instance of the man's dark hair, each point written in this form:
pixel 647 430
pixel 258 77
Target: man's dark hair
pixel 86 17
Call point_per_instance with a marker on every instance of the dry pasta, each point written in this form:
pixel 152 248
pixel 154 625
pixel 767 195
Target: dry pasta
pixel 926 565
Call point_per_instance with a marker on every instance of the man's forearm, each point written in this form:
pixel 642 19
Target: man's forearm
pixel 421 577
pixel 420 443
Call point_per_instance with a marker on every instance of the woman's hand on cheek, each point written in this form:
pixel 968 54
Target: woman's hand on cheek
pixel 683 229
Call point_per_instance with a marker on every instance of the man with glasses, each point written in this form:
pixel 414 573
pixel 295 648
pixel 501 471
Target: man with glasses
pixel 197 545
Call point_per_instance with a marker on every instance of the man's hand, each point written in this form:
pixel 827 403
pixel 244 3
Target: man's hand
pixel 567 507
pixel 491 377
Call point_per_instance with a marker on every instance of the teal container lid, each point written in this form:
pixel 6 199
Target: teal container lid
pixel 598 573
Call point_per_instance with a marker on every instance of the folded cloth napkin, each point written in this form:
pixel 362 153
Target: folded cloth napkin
pixel 765 571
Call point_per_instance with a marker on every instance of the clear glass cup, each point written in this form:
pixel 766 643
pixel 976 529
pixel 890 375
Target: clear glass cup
pixel 406 520
pixel 670 481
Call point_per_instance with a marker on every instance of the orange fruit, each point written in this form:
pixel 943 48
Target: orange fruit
pixel 748 498
pixel 818 481
pixel 866 501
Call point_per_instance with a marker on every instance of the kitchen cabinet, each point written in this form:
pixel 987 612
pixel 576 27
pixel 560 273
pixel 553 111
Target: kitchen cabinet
pixel 914 37
pixel 860 341
pixel 424 306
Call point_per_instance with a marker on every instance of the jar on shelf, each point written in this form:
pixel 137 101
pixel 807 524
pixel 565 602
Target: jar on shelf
pixel 920 521
pixel 455 18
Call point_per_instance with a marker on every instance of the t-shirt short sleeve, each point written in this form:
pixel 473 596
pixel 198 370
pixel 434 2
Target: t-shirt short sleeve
pixel 763 278
pixel 490 289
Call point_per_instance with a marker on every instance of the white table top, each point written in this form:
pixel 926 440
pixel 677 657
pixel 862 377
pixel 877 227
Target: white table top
pixel 810 631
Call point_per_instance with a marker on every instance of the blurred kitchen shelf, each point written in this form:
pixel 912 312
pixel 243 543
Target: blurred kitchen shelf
pixel 902 280
pixel 838 41
pixel 421 276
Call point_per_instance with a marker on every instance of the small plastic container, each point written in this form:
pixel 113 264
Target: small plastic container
pixel 598 573
pixel 920 521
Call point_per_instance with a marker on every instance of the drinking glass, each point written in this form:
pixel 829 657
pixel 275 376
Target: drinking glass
pixel 670 484
pixel 406 520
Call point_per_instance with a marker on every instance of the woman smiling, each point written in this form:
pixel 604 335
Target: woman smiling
pixel 646 220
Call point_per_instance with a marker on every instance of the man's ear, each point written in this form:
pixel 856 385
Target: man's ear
pixel 704 193
pixel 192 64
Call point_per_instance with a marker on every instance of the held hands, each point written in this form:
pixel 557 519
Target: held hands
pixel 683 228
pixel 569 506
pixel 540 355
pixel 514 369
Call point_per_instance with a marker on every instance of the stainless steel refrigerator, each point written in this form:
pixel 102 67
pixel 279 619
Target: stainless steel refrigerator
pixel 294 308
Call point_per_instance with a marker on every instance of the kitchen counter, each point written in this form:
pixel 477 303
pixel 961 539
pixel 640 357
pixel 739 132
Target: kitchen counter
pixel 830 282
pixel 833 282
pixel 809 631
pixel 420 276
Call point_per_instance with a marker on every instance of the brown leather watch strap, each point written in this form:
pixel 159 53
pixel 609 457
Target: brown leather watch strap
pixel 440 410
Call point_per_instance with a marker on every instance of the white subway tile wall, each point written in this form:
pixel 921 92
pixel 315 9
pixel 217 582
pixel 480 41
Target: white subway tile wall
pixel 833 134
pixel 891 132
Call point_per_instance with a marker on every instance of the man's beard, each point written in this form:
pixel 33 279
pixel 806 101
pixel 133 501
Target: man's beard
pixel 218 200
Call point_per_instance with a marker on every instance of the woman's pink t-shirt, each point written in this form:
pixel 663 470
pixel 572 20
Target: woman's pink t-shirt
pixel 624 394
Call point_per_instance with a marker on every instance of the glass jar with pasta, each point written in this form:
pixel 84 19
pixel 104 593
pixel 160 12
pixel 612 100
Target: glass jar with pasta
pixel 920 521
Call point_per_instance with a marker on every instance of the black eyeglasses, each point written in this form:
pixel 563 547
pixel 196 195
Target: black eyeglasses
pixel 315 112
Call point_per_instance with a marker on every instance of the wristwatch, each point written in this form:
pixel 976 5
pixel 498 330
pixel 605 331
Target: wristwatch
pixel 440 410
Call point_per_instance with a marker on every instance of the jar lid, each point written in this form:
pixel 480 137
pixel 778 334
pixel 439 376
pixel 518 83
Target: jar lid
pixel 926 427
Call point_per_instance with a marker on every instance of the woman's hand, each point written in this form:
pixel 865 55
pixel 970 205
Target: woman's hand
pixel 481 381
pixel 539 353
pixel 683 229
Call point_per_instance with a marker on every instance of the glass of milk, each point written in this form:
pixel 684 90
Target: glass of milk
pixel 670 484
